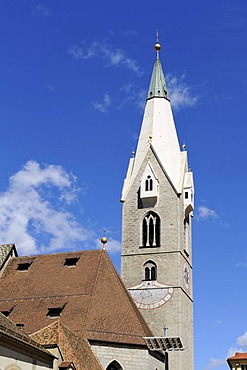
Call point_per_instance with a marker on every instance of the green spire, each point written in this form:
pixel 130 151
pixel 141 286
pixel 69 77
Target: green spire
pixel 157 88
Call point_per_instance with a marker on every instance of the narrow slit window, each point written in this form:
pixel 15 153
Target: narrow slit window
pixel 149 184
pixel 20 325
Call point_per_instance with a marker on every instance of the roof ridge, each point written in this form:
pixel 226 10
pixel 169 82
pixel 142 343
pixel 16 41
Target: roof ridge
pixel 92 293
pixel 48 326
pixel 93 353
pixel 59 253
pixel 58 334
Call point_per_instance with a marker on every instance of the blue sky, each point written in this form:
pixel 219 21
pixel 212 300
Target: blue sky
pixel 73 80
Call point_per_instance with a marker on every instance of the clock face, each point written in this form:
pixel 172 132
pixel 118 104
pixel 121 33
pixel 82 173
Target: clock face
pixel 186 275
pixel 150 294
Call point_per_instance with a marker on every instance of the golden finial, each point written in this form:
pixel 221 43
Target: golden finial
pixel 150 138
pixel 104 241
pixel 133 154
pixel 184 146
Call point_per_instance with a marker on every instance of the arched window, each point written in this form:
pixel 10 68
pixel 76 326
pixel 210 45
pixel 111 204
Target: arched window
pixel 149 183
pixel 114 365
pixel 151 230
pixel 150 271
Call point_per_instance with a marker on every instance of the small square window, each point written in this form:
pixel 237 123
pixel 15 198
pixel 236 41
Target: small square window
pixel 186 195
pixel 55 311
pixel 71 261
pixel 24 266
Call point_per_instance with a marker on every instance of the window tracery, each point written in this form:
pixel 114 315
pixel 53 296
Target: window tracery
pixel 150 271
pixel 151 230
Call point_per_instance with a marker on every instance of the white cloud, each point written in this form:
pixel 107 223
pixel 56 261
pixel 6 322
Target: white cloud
pixel 112 246
pixel 43 10
pixel 217 323
pixel 215 362
pixel 104 50
pixel 242 340
pixel 233 350
pixel 103 105
pixel 180 93
pixel 205 213
pixel 34 210
pixel 50 87
pixel 133 96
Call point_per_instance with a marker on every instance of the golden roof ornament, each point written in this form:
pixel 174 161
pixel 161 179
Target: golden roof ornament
pixel 103 241
pixel 157 46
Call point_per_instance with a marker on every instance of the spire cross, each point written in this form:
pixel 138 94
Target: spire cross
pixel 157 46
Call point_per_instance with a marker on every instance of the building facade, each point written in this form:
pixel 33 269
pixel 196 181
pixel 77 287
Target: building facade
pixel 158 202
pixel 18 351
pixel 75 305
pixel 238 361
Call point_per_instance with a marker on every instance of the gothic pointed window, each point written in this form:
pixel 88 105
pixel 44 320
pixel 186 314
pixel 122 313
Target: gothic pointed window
pixel 149 183
pixel 150 271
pixel 151 230
pixel 114 365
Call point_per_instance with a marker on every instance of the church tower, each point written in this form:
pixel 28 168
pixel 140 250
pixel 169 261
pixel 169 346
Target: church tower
pixel 158 202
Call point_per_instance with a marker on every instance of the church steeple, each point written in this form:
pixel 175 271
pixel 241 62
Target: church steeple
pixel 157 88
pixel 158 201
pixel 158 132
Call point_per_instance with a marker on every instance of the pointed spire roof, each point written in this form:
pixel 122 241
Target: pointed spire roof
pixel 157 87
pixel 158 132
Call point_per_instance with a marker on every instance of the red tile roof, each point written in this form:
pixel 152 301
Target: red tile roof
pixel 6 250
pixel 66 364
pixel 97 305
pixel 238 356
pixel 9 329
pixel 74 349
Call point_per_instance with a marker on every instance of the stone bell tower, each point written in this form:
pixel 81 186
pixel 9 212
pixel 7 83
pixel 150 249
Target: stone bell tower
pixel 158 202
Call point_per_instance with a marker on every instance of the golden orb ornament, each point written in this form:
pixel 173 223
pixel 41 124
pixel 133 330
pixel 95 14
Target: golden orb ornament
pixel 103 240
pixel 184 146
pixel 157 46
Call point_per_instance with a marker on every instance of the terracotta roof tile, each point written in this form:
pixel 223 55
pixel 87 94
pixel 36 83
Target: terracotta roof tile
pixel 74 349
pixel 238 356
pixel 8 328
pixel 113 315
pixel 6 250
pixel 66 364
pixel 97 305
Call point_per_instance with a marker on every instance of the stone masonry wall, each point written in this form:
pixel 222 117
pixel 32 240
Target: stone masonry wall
pixel 128 358
pixel 170 259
